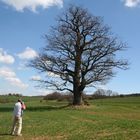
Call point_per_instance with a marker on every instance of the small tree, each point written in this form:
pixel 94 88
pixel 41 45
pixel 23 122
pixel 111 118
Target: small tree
pixel 81 51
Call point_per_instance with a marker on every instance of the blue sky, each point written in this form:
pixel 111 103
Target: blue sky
pixel 24 22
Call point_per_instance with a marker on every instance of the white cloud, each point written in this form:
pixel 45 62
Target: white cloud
pixel 28 53
pixel 104 87
pixel 36 77
pixel 51 74
pixel 6 58
pixel 43 92
pixel 6 72
pixel 11 77
pixel 32 5
pixel 131 3
pixel 16 82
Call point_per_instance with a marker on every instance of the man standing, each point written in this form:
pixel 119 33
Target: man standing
pixel 17 121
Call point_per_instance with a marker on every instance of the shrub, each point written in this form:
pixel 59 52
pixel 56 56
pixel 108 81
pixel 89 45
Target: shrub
pixel 58 96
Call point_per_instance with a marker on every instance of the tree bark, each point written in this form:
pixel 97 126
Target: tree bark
pixel 77 91
pixel 77 98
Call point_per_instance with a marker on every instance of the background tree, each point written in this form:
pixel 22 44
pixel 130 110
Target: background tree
pixel 80 52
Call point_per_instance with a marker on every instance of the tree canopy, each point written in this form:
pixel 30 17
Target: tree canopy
pixel 80 51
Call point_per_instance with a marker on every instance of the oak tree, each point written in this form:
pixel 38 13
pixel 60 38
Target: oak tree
pixel 80 51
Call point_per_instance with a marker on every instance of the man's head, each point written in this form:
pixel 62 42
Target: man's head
pixel 19 100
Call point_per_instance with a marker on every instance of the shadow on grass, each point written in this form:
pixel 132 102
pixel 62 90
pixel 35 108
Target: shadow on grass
pixel 34 108
pixel 5 134
pixel 6 109
pixel 45 108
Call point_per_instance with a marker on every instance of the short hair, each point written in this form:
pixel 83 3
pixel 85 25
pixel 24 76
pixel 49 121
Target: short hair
pixel 19 100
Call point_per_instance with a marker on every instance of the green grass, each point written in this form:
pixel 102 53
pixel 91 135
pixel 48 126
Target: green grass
pixel 104 119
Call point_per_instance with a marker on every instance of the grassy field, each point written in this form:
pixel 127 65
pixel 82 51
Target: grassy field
pixel 104 119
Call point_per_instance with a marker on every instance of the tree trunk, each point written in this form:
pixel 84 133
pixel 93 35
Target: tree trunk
pixel 77 92
pixel 77 98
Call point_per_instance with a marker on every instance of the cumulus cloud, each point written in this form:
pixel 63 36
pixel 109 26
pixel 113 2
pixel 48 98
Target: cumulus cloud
pixel 51 74
pixel 36 77
pixel 16 82
pixel 28 53
pixel 6 58
pixel 32 5
pixel 6 72
pixel 104 87
pixel 43 92
pixel 131 3
pixel 11 77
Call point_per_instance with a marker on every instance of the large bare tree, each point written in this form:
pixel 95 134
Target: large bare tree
pixel 80 52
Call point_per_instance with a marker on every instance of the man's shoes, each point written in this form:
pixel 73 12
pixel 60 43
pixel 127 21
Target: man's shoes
pixel 16 134
pixel 12 134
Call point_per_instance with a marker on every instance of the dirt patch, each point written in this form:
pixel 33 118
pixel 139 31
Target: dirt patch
pixel 105 134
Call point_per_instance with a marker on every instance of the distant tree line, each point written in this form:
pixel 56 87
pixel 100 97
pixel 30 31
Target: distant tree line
pixel 131 95
pixel 10 97
pixel 98 94
pixel 15 94
pixel 58 96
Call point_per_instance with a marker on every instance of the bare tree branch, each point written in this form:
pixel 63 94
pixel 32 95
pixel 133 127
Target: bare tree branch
pixel 81 51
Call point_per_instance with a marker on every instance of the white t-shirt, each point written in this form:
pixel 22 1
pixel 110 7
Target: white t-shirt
pixel 17 109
